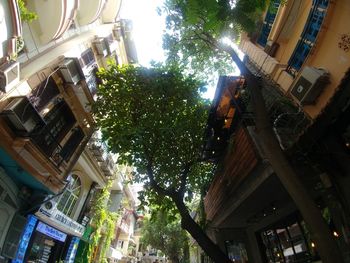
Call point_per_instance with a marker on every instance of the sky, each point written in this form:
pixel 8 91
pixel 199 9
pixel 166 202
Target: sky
pixel 148 28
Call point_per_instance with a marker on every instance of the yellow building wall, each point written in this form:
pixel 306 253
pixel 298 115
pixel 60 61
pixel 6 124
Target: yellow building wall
pixel 287 45
pixel 329 55
pixel 326 53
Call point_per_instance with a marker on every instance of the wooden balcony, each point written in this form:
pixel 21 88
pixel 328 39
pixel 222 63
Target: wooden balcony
pixel 89 11
pixel 54 17
pixel 240 160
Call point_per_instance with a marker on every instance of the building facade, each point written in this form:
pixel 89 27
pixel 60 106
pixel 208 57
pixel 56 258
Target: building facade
pixel 52 160
pixel 301 56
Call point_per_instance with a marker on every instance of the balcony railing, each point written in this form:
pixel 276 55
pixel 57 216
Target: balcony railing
pixel 89 11
pixel 111 11
pixel 59 13
pixel 288 120
pixel 99 149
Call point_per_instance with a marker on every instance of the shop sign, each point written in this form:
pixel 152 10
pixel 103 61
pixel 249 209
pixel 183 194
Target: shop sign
pixel 26 235
pixel 51 232
pixel 60 220
pixel 72 250
pixel 87 233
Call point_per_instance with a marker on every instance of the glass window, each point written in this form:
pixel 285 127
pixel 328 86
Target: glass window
pixel 310 32
pixel 268 22
pixel 236 251
pixel 69 198
pixel 286 242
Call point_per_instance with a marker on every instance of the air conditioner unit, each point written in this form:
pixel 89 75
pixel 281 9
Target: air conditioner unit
pixel 70 72
pixel 309 85
pixel 101 46
pixel 9 76
pixel 49 207
pixel 117 33
pixel 22 115
pixel 271 48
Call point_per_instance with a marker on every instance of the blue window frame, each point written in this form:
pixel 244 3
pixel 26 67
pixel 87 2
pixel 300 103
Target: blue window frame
pixel 309 35
pixel 268 22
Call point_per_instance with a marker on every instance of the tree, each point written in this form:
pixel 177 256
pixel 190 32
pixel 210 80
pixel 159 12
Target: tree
pixel 195 28
pixel 195 31
pixel 154 119
pixel 165 234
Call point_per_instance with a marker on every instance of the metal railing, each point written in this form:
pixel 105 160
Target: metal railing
pixel 288 119
pixel 99 149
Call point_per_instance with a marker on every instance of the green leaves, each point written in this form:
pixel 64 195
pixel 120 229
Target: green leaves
pixel 26 15
pixel 153 117
pixel 163 232
pixel 195 29
pixel 101 218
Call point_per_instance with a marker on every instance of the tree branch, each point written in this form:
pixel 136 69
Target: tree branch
pixel 154 184
pixel 183 178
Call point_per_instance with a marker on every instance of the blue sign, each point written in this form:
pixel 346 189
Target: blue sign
pixel 26 235
pixel 72 250
pixel 51 232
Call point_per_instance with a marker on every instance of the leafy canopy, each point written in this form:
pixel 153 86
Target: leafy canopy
pixel 154 118
pixel 196 28
pixel 165 234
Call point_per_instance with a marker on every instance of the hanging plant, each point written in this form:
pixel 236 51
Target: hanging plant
pixel 26 15
pixel 103 221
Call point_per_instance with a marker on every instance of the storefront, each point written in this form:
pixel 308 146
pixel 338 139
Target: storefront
pixel 287 241
pixel 45 244
pixel 49 236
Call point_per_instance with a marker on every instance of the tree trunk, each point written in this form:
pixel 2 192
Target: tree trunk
pixel 208 246
pixel 320 232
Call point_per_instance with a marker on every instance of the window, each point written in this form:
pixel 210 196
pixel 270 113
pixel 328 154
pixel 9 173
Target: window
pixel 268 22
pixel 236 251
pixel 286 242
pixel 308 37
pixel 87 58
pixel 44 94
pixel 67 201
pixel 72 143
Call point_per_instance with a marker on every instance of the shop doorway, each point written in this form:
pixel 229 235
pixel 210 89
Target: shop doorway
pixel 46 244
pixel 236 251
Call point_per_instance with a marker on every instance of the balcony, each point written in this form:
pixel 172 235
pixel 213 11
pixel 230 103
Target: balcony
pixel 89 11
pixel 44 144
pixel 10 28
pixel 266 64
pixel 54 18
pixel 224 117
pixel 238 163
pixel 289 120
pixel 99 150
pixel 111 11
